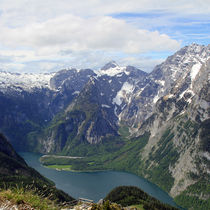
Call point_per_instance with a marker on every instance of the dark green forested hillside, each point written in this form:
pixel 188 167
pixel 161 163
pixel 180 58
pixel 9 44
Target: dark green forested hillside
pixel 129 195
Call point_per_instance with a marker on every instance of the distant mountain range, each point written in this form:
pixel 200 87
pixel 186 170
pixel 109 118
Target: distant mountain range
pixel 72 111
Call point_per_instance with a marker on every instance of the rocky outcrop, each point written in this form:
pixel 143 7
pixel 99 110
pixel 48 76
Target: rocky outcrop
pixel 174 76
pixel 176 126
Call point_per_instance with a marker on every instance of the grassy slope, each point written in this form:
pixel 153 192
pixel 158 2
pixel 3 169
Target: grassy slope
pixel 14 173
pixel 26 199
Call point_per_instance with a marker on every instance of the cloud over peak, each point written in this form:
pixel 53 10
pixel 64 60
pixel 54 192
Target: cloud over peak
pixel 69 32
pixel 65 30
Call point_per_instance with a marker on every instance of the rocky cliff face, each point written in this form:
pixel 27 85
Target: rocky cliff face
pixel 95 108
pixel 178 125
pixel 176 74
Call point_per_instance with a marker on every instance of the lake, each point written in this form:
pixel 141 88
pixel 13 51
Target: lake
pixel 94 185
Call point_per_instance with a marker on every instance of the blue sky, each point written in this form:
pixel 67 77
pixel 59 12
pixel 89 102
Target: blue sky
pixel 46 36
pixel 186 29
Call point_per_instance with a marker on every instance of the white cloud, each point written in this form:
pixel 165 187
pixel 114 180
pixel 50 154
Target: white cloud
pixel 74 33
pixel 143 63
pixel 8 66
pixel 42 10
pixel 59 32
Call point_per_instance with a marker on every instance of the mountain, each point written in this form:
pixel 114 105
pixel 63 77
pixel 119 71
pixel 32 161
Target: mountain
pixel 111 64
pixel 18 82
pixel 171 104
pixel 15 173
pixel 33 110
pixel 179 139
pixel 92 116
pixel 30 101
pixel 176 73
pixel 155 125
pixel 119 96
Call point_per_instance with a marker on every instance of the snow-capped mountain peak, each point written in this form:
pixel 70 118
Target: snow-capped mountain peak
pixel 111 64
pixel 24 81
pixel 112 69
pixel 180 68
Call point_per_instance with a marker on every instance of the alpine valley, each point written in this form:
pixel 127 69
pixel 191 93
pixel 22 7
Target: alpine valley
pixel 156 124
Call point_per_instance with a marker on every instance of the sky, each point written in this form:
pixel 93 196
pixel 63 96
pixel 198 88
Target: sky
pixel 49 35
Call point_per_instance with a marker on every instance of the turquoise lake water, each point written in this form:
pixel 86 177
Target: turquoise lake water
pixel 94 185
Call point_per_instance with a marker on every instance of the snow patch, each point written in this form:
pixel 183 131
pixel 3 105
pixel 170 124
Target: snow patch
pixel 106 106
pixel 119 75
pixel 206 155
pixel 194 71
pixel 115 110
pixel 75 93
pixel 156 99
pixel 189 100
pixel 186 91
pixel 126 89
pixel 170 96
pixel 92 80
pixel 140 91
pixel 112 71
pixel 183 112
pixel 161 82
pixel 24 81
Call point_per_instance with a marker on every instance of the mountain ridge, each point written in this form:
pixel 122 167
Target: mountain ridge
pixel 85 112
